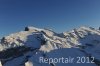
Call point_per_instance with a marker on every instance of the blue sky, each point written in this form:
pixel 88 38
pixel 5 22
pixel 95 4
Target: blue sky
pixel 59 15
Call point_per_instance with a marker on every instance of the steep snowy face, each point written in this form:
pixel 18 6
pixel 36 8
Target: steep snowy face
pixel 32 43
pixel 48 40
pixel 35 38
pixel 82 35
pixel 31 38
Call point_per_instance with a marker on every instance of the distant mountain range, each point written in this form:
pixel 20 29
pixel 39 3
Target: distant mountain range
pixel 30 46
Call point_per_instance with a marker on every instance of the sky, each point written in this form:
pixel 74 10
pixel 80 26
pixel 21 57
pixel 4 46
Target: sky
pixel 59 15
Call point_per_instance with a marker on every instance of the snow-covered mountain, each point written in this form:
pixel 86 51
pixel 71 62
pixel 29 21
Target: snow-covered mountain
pixel 26 48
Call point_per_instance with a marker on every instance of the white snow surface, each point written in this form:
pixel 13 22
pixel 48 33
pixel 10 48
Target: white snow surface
pixel 84 41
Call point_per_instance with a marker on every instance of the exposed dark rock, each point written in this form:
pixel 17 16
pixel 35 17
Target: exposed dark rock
pixel 26 29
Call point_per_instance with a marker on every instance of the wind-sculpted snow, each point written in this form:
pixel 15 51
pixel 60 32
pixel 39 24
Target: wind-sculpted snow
pixel 25 48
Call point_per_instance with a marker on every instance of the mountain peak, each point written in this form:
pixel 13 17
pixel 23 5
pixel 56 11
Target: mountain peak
pixel 31 28
pixel 34 42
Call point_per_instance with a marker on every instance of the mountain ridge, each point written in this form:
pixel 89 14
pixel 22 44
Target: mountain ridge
pixel 45 42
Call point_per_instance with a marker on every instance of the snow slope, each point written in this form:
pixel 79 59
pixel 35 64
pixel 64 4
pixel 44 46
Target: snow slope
pixel 24 48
